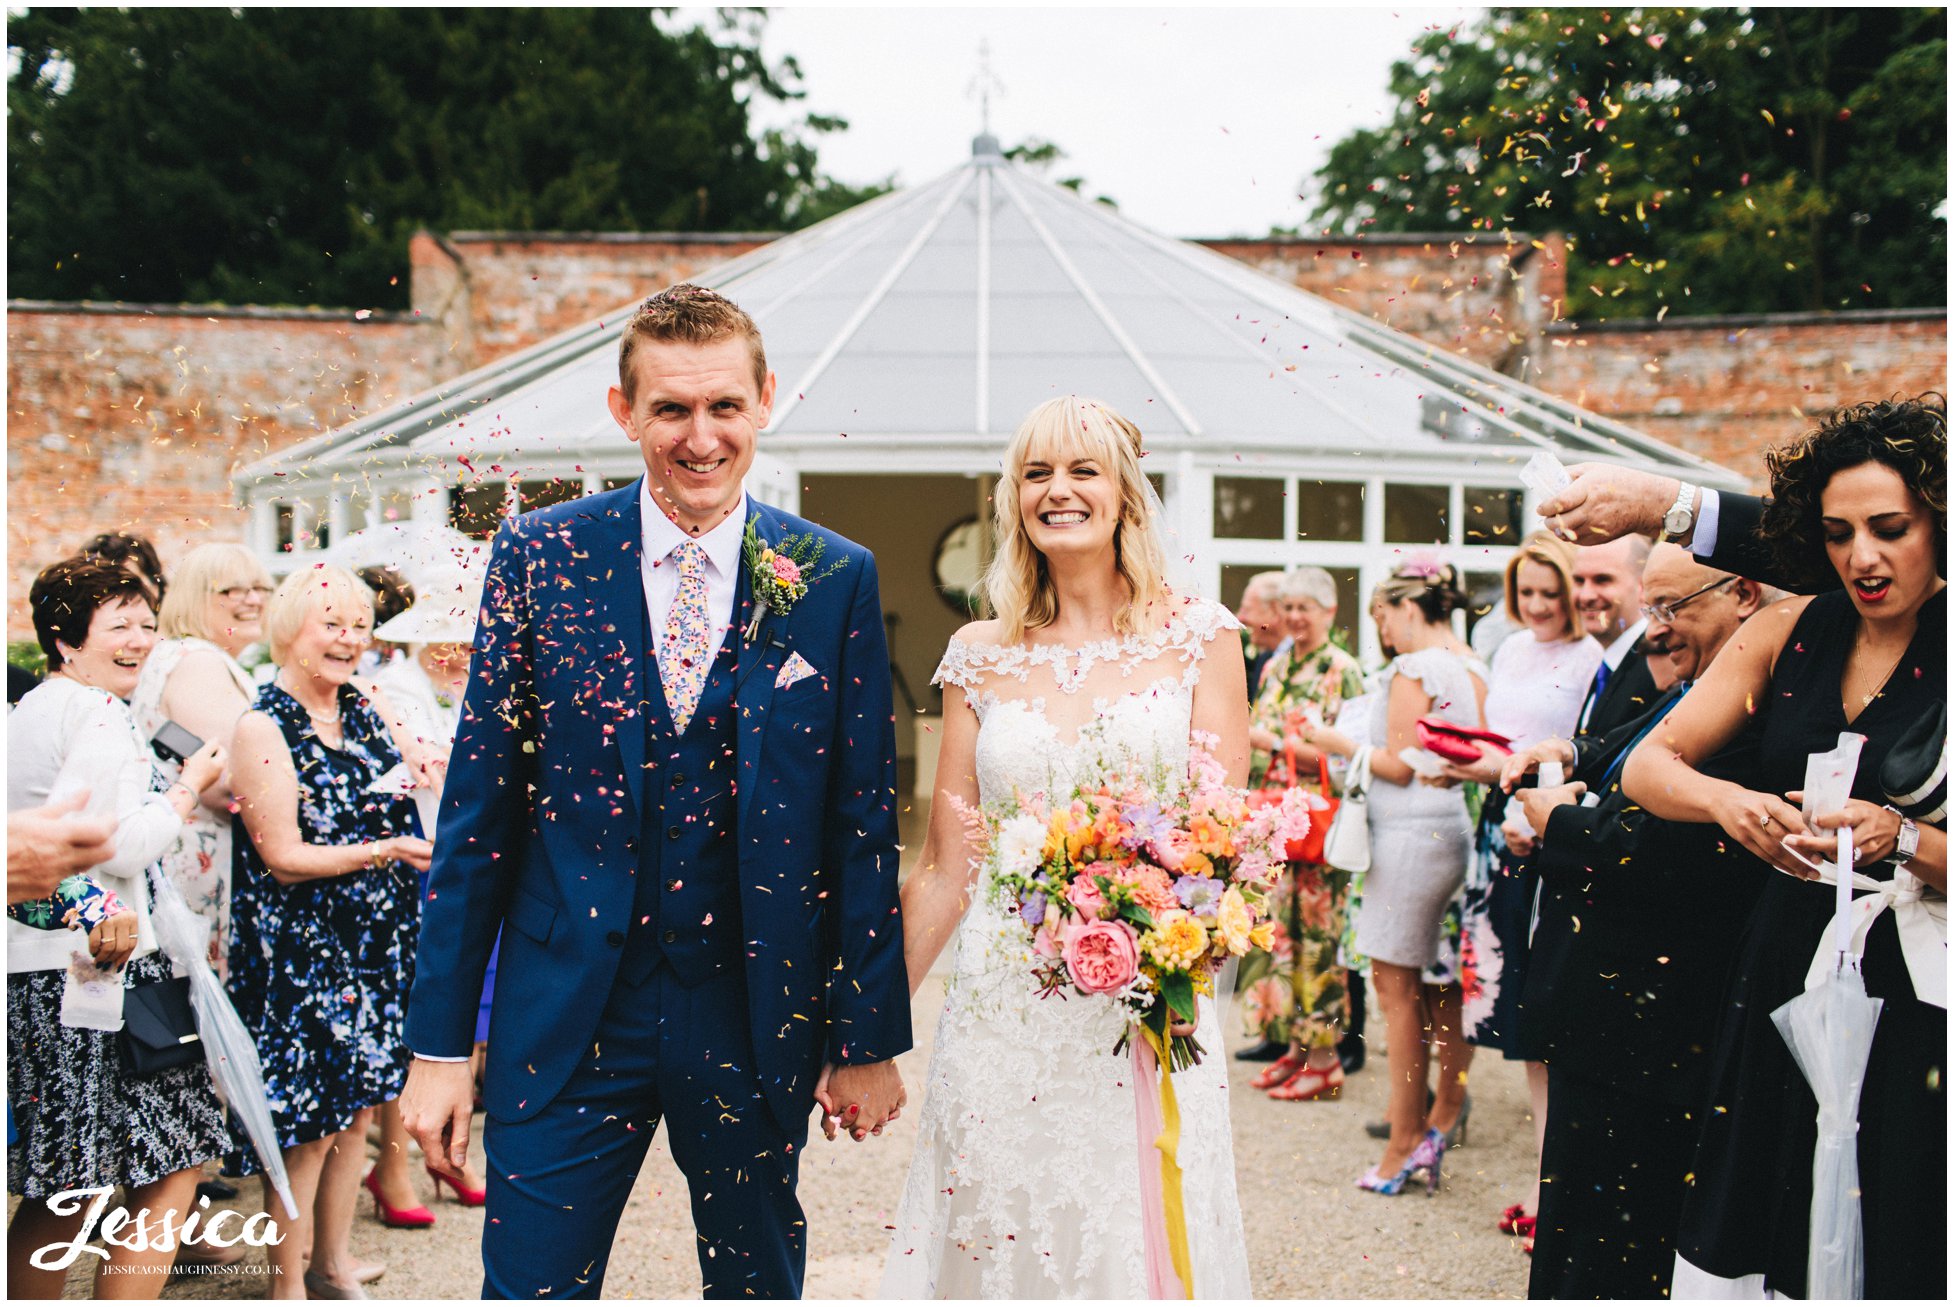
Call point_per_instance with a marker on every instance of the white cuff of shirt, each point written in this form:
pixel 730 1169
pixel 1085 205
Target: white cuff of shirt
pixel 429 1057
pixel 1703 541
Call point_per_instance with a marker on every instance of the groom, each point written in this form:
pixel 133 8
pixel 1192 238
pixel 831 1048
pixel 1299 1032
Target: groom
pixel 676 806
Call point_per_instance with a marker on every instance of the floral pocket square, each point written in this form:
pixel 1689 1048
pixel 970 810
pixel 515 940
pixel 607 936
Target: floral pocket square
pixel 793 671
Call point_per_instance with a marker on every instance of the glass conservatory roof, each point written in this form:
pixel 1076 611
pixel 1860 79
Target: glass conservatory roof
pixel 943 313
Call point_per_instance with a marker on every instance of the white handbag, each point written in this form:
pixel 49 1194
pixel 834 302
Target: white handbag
pixel 1348 845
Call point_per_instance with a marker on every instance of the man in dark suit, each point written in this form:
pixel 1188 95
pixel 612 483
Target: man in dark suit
pixel 1608 595
pixel 1628 968
pixel 1261 626
pixel 1605 502
pixel 672 796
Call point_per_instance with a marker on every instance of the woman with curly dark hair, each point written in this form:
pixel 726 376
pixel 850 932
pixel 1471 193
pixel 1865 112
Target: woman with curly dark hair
pixel 1864 497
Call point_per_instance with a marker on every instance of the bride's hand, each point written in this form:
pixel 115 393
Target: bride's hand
pixel 1181 1029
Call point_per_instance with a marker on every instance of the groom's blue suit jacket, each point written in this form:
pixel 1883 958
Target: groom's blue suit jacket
pixel 543 808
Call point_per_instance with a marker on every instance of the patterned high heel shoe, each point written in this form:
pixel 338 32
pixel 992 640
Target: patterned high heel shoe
pixel 1429 1157
pixel 1388 1185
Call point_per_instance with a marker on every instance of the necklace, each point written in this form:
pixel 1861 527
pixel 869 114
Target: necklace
pixel 319 718
pixel 1866 699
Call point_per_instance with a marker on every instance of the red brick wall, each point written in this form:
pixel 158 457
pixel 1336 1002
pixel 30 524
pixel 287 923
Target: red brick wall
pixel 496 292
pixel 1725 388
pixel 132 418
pixel 1481 296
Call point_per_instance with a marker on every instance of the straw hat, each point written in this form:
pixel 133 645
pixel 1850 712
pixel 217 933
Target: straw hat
pixel 446 602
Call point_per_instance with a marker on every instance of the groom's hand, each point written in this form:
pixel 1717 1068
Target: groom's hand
pixel 437 1107
pixel 859 1099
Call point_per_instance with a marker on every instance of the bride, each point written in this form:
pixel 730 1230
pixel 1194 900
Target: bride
pixel 1026 1176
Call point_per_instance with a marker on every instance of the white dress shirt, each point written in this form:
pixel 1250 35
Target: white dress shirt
pixel 722 546
pixel 1703 540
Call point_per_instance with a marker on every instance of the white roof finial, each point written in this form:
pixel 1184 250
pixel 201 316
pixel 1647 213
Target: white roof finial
pixel 982 86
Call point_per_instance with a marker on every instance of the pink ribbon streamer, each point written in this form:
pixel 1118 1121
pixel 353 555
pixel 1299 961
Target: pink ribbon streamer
pixel 1162 1282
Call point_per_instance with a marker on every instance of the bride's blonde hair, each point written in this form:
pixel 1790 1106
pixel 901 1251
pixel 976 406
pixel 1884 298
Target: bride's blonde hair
pixel 1017 582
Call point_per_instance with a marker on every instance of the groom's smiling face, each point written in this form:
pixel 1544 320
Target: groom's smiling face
pixel 696 414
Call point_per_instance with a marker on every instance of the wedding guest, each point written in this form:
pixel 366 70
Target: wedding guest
pixel 1608 592
pixel 1623 991
pixel 213 613
pixel 133 552
pixel 1862 497
pixel 326 909
pixel 82 1120
pixel 392 596
pixel 436 634
pixel 1539 676
pixel 1261 625
pixel 1307 681
pixel 1418 836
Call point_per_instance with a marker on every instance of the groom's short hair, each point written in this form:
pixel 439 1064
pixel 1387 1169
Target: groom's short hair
pixel 693 315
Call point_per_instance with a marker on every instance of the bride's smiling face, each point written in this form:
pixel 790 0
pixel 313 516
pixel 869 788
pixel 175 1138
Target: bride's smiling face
pixel 1069 502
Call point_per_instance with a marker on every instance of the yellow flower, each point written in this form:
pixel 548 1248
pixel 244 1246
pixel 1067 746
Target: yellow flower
pixel 1234 922
pixel 1176 943
pixel 1263 936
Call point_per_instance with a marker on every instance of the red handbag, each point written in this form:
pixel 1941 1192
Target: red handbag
pixel 1460 744
pixel 1322 809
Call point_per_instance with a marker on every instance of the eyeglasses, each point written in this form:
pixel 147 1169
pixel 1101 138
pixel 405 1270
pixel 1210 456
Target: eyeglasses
pixel 237 592
pixel 1665 611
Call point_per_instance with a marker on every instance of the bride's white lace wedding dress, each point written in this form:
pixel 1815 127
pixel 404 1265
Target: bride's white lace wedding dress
pixel 1025 1181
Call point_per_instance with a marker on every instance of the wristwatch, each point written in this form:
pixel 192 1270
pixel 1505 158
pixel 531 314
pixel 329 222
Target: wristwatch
pixel 1681 516
pixel 1907 843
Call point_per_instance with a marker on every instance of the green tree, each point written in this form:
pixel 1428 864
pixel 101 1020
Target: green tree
pixel 280 155
pixel 1700 161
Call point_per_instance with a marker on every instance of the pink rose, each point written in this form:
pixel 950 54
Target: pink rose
pixel 1103 956
pixel 1084 895
pixel 786 569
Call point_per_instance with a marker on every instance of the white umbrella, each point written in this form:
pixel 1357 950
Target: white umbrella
pixel 1830 1031
pixel 413 548
pixel 232 1053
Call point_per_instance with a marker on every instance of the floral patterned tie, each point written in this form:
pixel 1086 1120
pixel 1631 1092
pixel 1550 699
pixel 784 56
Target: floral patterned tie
pixel 687 649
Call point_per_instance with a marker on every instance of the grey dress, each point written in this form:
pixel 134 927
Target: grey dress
pixel 1420 835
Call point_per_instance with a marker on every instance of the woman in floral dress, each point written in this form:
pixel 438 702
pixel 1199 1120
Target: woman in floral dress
pixel 325 913
pixel 1296 994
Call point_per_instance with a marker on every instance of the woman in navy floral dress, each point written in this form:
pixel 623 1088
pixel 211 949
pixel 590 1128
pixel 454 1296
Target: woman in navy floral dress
pixel 326 912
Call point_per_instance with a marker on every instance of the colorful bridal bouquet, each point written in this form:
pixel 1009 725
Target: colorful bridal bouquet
pixel 1141 886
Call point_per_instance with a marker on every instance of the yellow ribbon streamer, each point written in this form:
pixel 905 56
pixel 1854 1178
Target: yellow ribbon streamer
pixel 1173 1205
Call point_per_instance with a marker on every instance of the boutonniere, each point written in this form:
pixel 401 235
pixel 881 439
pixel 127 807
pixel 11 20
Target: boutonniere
pixel 781 573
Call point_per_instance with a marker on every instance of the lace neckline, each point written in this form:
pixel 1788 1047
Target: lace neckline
pixel 964 664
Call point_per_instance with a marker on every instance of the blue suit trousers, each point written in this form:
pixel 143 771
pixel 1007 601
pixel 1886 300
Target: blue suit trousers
pixel 558 1182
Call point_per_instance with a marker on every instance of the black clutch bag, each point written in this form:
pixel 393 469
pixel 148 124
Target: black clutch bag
pixel 1914 774
pixel 159 1031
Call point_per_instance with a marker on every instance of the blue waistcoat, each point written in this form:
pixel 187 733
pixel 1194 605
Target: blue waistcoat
pixel 686 908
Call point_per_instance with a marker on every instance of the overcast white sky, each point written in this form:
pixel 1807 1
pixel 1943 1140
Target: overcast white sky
pixel 1199 122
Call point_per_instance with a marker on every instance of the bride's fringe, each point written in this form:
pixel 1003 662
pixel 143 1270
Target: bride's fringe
pixel 1017 583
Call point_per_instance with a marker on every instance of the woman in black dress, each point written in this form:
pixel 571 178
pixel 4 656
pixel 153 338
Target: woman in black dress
pixel 1862 499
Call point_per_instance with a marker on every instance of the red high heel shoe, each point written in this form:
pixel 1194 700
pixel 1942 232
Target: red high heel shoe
pixel 1281 1071
pixel 396 1218
pixel 466 1197
pixel 1307 1084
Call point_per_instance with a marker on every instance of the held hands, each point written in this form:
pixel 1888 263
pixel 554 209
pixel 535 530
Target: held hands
pixel 1486 769
pixel 1760 822
pixel 1527 761
pixel 859 1099
pixel 1875 834
pixel 437 1107
pixel 1606 503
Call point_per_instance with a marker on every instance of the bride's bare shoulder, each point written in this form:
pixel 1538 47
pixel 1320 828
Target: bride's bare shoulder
pixel 985 634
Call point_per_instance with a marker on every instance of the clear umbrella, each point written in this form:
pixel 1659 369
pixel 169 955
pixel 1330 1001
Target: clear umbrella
pixel 1830 1031
pixel 413 548
pixel 233 1055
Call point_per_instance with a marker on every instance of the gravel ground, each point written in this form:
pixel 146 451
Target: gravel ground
pixel 1311 1234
